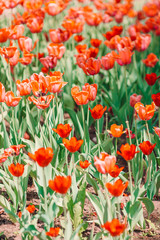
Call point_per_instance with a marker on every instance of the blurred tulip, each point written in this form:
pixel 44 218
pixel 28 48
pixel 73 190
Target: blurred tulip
pixel 134 98
pixel 11 100
pixel 127 151
pixel 41 102
pixel 117 188
pixel 73 144
pixel 146 147
pixel 116 130
pixel 151 78
pixel 16 170
pixel 43 156
pixel 98 111
pixel 63 130
pixel 60 184
pixel 151 60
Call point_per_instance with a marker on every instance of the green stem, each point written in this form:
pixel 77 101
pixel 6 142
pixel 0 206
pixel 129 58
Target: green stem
pixel 65 212
pixel 44 190
pixel 148 131
pixel 88 114
pixel 130 179
pixel 98 138
pixel 116 140
pixel 106 133
pixel 125 80
pixel 83 118
pixel 53 115
pixel 14 129
pixel 56 103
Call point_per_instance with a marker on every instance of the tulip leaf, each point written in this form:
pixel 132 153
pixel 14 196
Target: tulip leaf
pixel 148 204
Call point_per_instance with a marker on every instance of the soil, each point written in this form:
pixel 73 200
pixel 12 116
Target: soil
pixel 152 231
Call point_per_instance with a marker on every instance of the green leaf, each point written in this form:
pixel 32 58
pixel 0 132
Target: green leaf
pixel 96 204
pixel 148 204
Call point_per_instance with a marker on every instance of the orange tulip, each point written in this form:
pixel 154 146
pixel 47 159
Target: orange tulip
pixel 16 32
pixel 53 8
pixel 63 130
pixel 151 60
pixel 16 170
pixel 80 97
pixel 27 58
pixel 60 184
pixel 2 93
pixel 81 48
pixel 41 102
pixel 116 130
pixel 11 100
pixel 73 25
pixel 145 113
pixel 115 171
pixel 91 89
pixel 146 147
pixel 54 84
pixel 38 84
pixel 9 51
pixel 93 19
pixel 114 227
pixel 124 57
pixel 31 209
pixel 157 131
pixel 84 164
pixel 43 156
pixel 92 66
pixel 25 44
pixel 14 60
pixel 4 34
pixel 98 111
pixel 142 42
pixel 91 52
pixel 59 35
pixel 78 38
pixel 53 232
pixel 117 188
pixel 14 149
pixel 56 49
pixel 35 24
pixel 73 144
pixel 108 61
pixel 95 42
pixel 23 88
pixel 128 151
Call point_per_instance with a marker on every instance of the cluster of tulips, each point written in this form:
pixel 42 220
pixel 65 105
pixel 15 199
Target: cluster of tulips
pixel 72 93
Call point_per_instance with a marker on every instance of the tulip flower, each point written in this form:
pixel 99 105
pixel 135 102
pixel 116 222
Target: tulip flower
pixel 108 61
pixel 25 44
pixel 156 99
pixel 63 130
pixel 145 113
pixel 4 34
pixel 157 131
pixel 80 97
pixel 117 188
pixel 73 144
pixel 16 32
pixel 142 42
pixel 16 170
pixel 91 89
pixel 95 42
pixel 146 147
pixel 41 102
pixel 43 156
pixel 84 164
pixel 53 232
pixel 115 171
pixel 31 209
pixel 92 66
pixel 59 35
pixel 23 88
pixel 49 62
pixel 127 151
pixel 115 228
pixel 98 111
pixel 35 25
pixel 151 78
pixel 60 184
pixel 26 59
pixel 105 163
pixel 11 100
pixel 56 50
pixel 2 93
pixel 151 60
pixel 134 98
pixel 78 38
pixel 116 130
